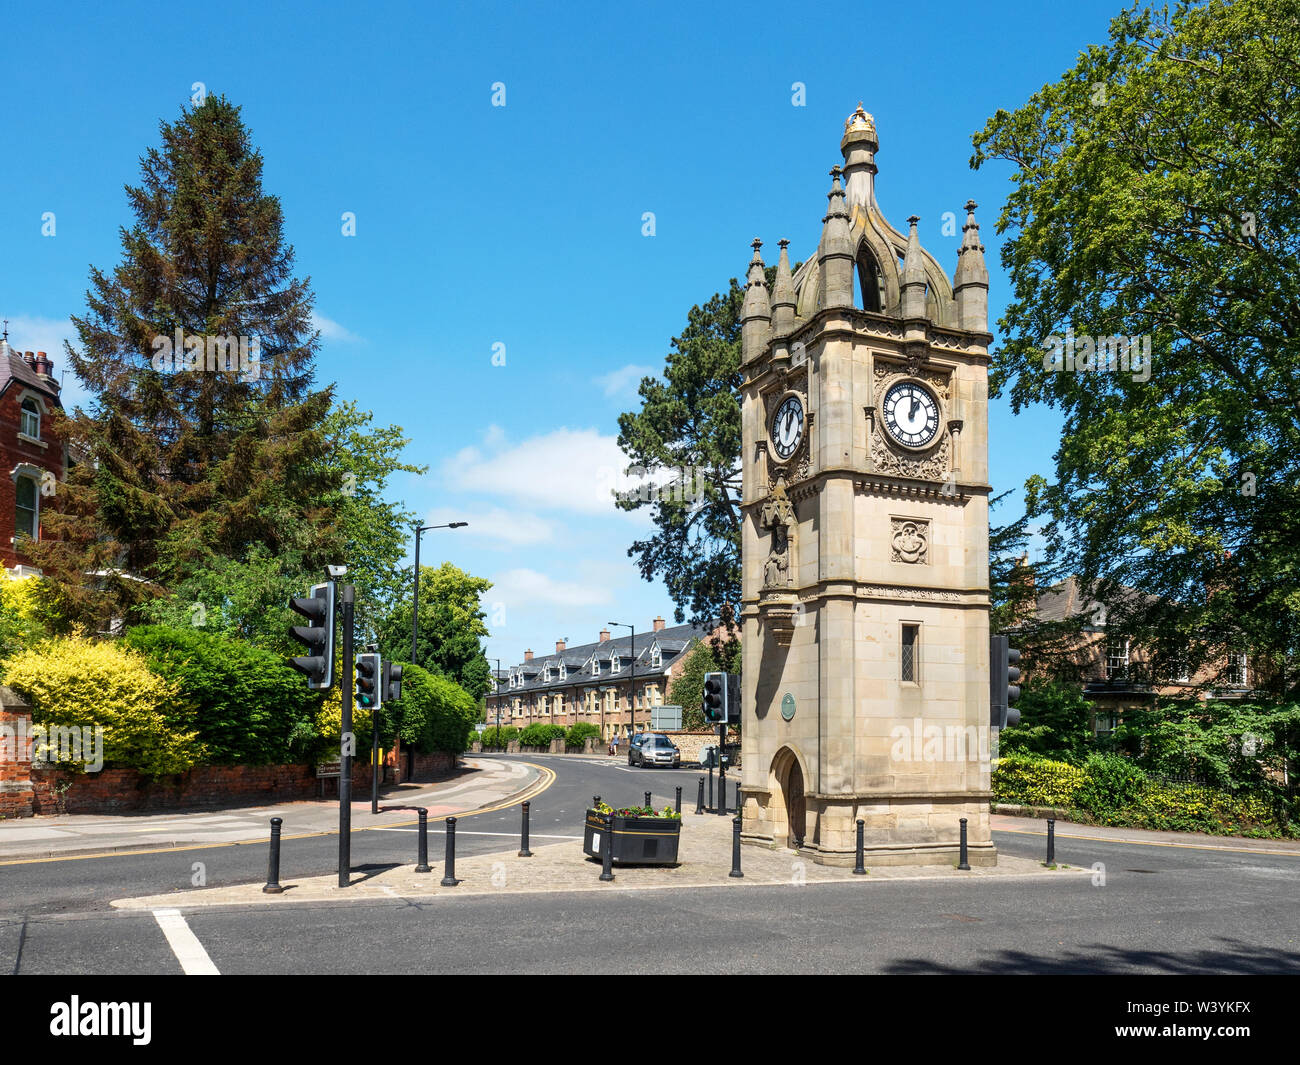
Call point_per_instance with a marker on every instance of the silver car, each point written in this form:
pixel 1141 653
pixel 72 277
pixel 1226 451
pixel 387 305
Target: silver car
pixel 653 748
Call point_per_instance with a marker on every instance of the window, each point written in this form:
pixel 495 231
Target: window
pixel 25 507
pixel 1238 675
pixel 1117 660
pixel 1103 723
pixel 869 283
pixel 30 423
pixel 1180 671
pixel 614 664
pixel 909 654
pixel 656 658
pixel 564 673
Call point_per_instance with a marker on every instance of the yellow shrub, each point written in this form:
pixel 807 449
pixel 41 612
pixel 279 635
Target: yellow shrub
pixel 76 681
pixel 1036 781
pixel 329 718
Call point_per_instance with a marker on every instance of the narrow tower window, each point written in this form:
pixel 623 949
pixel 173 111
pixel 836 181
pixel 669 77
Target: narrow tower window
pixel 869 288
pixel 909 653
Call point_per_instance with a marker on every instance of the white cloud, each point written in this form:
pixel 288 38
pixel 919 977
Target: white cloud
pixel 331 330
pixel 521 588
pixel 565 469
pixel 623 381
pixel 506 527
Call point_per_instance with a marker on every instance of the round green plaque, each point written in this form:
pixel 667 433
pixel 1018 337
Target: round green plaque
pixel 787 706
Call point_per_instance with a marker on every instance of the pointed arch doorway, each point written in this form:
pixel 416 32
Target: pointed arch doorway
pixel 789 787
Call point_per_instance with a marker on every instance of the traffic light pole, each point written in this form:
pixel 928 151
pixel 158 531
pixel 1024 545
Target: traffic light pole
pixel 722 768
pixel 347 742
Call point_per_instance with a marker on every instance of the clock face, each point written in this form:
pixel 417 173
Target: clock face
pixel 787 427
pixel 911 414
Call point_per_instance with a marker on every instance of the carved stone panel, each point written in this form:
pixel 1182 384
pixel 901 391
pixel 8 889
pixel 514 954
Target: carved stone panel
pixel 909 541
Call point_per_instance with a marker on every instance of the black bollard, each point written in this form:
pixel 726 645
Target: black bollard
pixel 677 806
pixel 738 809
pixel 962 862
pixel 524 852
pixel 1051 840
pixel 860 869
pixel 273 862
pixel 647 799
pixel 607 854
pixel 449 871
pixel 735 849
pixel 699 802
pixel 710 806
pixel 595 801
pixel 422 866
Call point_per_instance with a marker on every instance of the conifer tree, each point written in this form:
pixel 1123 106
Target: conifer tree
pixel 191 452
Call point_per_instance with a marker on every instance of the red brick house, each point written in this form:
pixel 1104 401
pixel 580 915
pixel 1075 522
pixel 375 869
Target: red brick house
pixel 32 457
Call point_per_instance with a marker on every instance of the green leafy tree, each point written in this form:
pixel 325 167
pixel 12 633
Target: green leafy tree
pixel 687 690
pixel 1154 198
pixel 1055 722
pixel 185 459
pixel 451 626
pixel 686 436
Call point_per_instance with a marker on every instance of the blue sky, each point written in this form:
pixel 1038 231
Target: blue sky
pixel 521 225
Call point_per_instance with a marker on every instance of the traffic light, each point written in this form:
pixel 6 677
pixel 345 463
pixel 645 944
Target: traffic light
pixel 1004 672
pixel 317 637
pixel 392 690
pixel 715 697
pixel 368 674
pixel 733 698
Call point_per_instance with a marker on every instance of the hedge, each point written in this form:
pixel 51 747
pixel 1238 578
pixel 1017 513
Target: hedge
pixel 1111 790
pixel 539 735
pixel 578 733
pixel 249 706
pixel 435 713
pixel 499 736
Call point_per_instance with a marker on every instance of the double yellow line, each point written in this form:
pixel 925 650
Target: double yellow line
pixel 546 779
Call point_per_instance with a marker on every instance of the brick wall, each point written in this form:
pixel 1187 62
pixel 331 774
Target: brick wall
pixel 122 790
pixel 17 798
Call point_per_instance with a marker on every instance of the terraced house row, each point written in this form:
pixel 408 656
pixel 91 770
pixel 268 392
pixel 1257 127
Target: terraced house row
pixel 613 683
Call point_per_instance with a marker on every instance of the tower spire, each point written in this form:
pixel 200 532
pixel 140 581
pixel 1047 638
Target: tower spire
pixel 971 282
pixel 756 311
pixel 836 253
pixel 913 280
pixel 783 298
pixel 859 146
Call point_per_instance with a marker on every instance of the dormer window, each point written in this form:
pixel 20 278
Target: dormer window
pixel 656 658
pixel 30 421
pixel 564 673
pixel 614 664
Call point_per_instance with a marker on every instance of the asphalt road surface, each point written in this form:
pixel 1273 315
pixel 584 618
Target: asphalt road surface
pixel 1161 910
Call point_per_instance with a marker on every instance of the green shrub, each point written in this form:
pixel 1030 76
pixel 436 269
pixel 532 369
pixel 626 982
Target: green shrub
pixel 540 735
pixel 1029 781
pixel 578 733
pixel 433 714
pixel 499 736
pixel 1112 782
pixel 249 706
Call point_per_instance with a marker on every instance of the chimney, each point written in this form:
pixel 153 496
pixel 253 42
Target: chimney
pixel 528 656
pixel 559 646
pixel 604 635
pixel 29 357
pixel 43 365
pixel 659 624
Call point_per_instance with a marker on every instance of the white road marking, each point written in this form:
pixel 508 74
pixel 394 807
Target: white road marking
pixel 185 944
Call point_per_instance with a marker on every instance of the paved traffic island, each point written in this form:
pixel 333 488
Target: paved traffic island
pixel 704 861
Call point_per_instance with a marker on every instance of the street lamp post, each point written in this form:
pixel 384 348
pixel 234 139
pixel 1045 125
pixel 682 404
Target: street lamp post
pixel 631 698
pixel 415 601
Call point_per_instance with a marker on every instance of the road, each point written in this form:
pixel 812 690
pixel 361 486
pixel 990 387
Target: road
pixel 1161 910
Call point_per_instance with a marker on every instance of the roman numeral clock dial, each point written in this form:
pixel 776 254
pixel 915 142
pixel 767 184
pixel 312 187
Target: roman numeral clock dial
pixel 911 414
pixel 787 427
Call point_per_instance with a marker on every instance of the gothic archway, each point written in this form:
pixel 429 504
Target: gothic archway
pixel 789 805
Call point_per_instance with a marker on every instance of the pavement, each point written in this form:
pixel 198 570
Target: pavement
pixel 481 784
pixel 704 860
pixel 1146 837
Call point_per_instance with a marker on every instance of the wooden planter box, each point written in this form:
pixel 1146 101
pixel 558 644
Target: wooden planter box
pixel 636 840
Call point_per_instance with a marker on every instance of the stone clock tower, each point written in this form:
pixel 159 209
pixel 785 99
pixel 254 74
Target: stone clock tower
pixel 865 540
